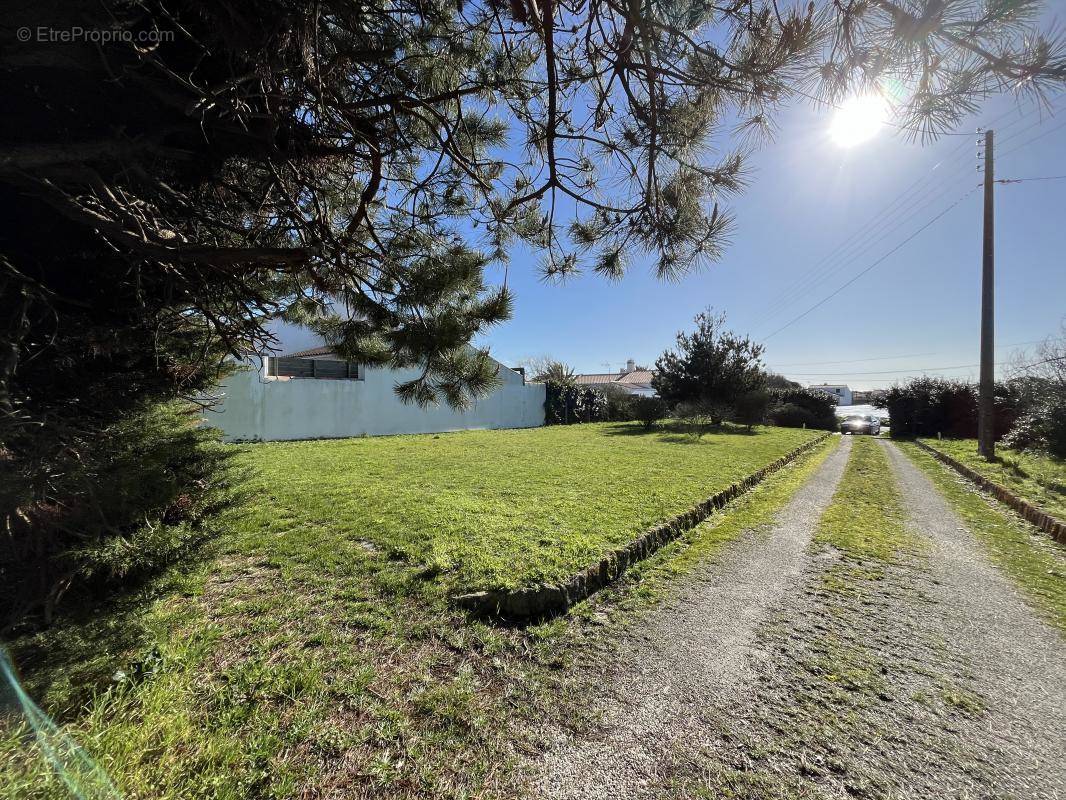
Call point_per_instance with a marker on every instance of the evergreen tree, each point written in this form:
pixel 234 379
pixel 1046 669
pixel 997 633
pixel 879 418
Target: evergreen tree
pixel 710 367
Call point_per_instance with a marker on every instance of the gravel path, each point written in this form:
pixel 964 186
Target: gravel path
pixel 687 656
pixel 1019 662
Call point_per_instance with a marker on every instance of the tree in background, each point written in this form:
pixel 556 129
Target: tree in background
pixel 775 380
pixel 555 372
pixel 750 408
pixel 1038 387
pixel 710 367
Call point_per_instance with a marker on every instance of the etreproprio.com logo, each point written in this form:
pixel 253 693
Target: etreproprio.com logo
pixel 78 34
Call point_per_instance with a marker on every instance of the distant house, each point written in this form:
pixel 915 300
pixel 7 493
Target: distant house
pixel 838 391
pixel 867 397
pixel 314 394
pixel 630 379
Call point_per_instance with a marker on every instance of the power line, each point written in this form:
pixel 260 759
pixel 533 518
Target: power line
pixel 890 358
pixel 850 361
pixel 887 218
pixel 897 371
pixel 884 218
pixel 1035 138
pixel 1026 180
pixel 844 286
pixel 913 370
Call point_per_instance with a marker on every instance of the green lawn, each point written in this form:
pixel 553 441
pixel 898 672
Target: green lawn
pixel 314 645
pixel 1039 479
pixel 487 509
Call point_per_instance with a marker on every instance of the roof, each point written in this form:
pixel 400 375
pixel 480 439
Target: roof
pixel 323 350
pixel 637 376
pixel 828 386
pixel 592 379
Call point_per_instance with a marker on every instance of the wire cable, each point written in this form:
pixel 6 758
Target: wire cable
pixel 879 261
pixel 904 355
pixel 885 218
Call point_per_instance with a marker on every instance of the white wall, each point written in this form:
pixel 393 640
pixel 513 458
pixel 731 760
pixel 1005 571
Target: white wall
pixel 258 408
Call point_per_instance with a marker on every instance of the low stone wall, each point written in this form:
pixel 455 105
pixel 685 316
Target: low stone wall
pixel 548 600
pixel 1056 528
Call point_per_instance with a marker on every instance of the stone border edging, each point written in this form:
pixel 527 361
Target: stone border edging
pixel 1050 525
pixel 551 599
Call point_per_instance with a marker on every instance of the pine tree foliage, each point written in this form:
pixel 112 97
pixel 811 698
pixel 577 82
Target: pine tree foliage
pixel 710 367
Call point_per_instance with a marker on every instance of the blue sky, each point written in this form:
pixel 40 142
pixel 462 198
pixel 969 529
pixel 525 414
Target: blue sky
pixel 816 215
pixel 811 200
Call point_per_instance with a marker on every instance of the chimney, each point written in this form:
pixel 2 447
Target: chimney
pixel 631 366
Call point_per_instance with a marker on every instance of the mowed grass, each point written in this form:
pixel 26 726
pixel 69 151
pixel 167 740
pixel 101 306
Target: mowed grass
pixel 489 509
pixel 1039 479
pixel 866 520
pixel 314 652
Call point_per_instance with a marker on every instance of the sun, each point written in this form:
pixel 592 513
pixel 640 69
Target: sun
pixel 858 120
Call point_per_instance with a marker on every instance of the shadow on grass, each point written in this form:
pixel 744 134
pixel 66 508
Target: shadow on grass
pixel 95 643
pixel 676 432
pixel 99 630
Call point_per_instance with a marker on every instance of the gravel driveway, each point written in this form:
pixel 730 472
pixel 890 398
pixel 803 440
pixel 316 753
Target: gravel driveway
pixel 685 656
pixel 1018 660
pixel 931 678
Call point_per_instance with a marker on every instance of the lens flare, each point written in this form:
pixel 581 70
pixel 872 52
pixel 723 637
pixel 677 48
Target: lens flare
pixel 85 779
pixel 858 120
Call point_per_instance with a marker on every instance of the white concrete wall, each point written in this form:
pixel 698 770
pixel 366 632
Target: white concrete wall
pixel 258 408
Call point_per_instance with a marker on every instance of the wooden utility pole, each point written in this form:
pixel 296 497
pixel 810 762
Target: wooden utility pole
pixel 986 414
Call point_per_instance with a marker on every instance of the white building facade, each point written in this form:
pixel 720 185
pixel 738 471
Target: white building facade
pixel 325 398
pixel 838 391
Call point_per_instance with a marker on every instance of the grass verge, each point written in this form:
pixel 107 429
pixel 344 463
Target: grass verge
pixel 1039 479
pixel 1033 561
pixel 865 521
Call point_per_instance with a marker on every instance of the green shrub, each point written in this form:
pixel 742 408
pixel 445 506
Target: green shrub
pixel 696 419
pixel 750 408
pixel 568 403
pixel 112 513
pixel 620 404
pixel 1041 428
pixel 790 415
pixel 931 406
pixel 648 410
pixel 820 409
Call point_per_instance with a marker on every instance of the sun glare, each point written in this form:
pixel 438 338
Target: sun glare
pixel 858 120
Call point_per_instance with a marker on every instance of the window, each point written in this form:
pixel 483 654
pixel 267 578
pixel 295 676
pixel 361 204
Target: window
pixel 289 367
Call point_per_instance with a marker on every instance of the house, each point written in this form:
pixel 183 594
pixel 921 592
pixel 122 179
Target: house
pixel 314 394
pixel 838 391
pixel 630 379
